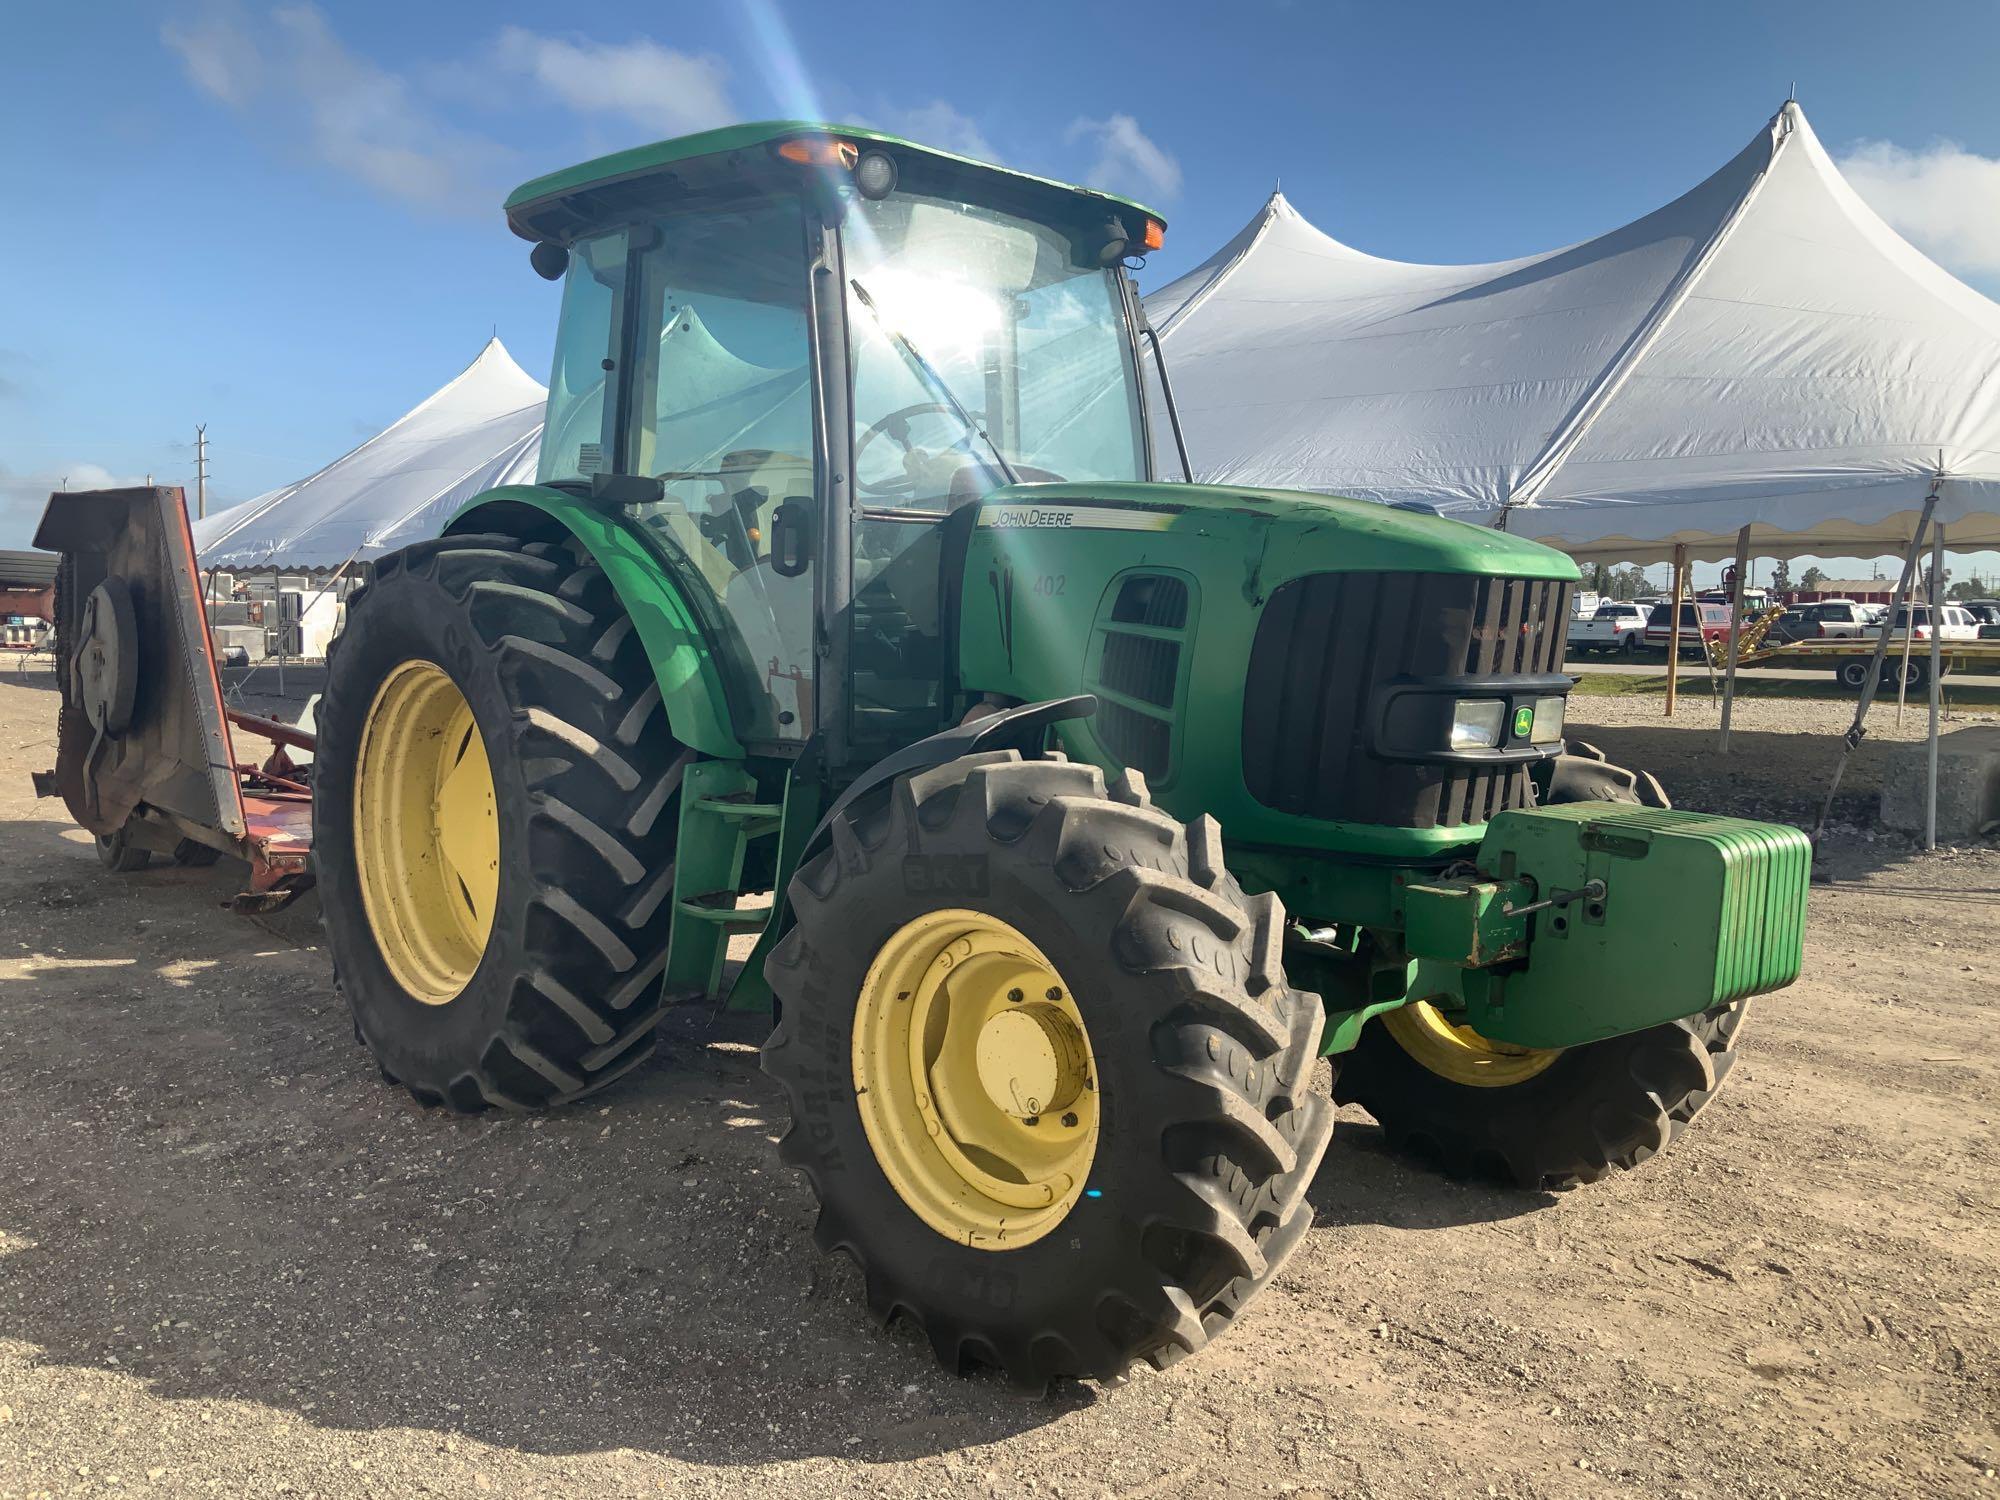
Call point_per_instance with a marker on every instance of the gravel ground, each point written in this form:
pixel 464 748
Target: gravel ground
pixel 234 1262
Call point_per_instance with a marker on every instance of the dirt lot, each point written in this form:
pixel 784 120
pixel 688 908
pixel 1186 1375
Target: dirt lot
pixel 234 1262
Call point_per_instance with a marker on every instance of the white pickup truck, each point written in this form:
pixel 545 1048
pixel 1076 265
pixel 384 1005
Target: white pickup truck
pixel 1618 627
pixel 1952 624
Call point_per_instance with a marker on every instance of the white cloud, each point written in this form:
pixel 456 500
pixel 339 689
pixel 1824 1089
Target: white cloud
pixel 292 76
pixel 655 87
pixel 218 55
pixel 1943 199
pixel 939 124
pixel 24 496
pixel 1128 160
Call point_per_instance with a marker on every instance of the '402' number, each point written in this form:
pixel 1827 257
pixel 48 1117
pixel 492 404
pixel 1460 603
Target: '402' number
pixel 1050 585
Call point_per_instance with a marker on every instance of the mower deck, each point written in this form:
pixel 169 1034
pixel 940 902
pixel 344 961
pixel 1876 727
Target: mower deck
pixel 147 743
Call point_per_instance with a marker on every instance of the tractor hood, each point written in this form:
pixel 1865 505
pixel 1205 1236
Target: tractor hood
pixel 1286 661
pixel 1288 532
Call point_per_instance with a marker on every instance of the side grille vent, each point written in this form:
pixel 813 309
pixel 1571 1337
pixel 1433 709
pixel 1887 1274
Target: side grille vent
pixel 1156 599
pixel 1135 670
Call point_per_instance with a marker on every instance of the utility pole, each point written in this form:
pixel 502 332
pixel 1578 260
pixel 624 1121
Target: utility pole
pixel 200 470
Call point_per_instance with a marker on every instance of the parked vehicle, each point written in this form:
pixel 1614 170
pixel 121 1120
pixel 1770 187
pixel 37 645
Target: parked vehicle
pixel 24 633
pixel 1700 623
pixel 1830 619
pixel 1986 613
pixel 1792 625
pixel 1617 626
pixel 1954 623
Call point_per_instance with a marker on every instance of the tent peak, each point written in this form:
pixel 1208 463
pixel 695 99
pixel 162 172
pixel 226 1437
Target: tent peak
pixel 494 359
pixel 1278 206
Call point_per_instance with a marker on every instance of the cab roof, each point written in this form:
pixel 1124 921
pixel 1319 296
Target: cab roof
pixel 555 205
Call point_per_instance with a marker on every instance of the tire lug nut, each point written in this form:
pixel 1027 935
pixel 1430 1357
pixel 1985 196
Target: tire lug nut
pixel 1070 1120
pixel 1055 992
pixel 1016 995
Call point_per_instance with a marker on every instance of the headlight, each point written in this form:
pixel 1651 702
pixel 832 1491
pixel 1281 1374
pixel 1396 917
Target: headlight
pixel 1476 723
pixel 1548 721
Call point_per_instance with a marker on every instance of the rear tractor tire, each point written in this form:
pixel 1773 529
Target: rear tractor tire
pixel 496 794
pixel 1047 1078
pixel 1542 1118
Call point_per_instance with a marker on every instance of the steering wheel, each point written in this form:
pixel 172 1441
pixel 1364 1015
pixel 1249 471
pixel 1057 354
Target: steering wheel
pixel 896 428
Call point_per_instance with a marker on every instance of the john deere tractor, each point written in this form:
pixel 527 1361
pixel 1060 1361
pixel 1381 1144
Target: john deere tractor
pixel 1098 807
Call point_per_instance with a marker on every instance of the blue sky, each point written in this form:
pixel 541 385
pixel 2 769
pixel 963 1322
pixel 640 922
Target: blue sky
pixel 283 220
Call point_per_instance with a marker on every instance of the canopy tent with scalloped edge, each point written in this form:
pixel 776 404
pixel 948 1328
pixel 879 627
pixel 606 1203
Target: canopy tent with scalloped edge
pixel 481 429
pixel 1763 350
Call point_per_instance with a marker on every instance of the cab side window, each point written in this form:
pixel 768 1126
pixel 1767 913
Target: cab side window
pixel 719 407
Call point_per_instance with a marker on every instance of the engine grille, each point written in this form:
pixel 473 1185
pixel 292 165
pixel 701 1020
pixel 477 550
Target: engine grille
pixel 1327 641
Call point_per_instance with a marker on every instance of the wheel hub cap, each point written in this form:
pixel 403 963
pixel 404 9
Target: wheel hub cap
pixel 1032 1060
pixel 974 1079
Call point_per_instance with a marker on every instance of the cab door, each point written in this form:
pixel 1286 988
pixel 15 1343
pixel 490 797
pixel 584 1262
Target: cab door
pixel 718 405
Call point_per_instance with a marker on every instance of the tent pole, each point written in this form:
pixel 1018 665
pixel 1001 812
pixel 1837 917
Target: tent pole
pixel 1937 688
pixel 278 603
pixel 1859 728
pixel 1909 634
pixel 1674 624
pixel 1707 656
pixel 1735 631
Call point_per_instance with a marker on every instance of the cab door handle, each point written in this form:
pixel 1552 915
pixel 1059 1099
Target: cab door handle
pixel 792 538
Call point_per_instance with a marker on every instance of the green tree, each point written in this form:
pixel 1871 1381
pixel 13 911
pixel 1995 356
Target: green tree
pixel 1626 583
pixel 1781 576
pixel 1812 578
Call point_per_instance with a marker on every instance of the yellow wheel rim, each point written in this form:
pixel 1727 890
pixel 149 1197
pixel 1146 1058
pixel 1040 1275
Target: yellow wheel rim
pixel 1459 1053
pixel 426 837
pixel 975 1080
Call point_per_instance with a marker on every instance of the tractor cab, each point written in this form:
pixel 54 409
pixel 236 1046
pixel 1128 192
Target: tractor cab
pixel 793 353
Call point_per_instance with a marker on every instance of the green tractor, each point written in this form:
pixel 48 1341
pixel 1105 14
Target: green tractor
pixel 1098 807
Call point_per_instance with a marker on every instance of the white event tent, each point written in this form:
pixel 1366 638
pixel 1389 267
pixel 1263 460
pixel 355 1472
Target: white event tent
pixel 1762 351
pixel 481 429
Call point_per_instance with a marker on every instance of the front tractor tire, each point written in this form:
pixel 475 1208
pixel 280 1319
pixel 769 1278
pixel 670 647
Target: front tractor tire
pixel 1047 1079
pixel 495 803
pixel 1542 1118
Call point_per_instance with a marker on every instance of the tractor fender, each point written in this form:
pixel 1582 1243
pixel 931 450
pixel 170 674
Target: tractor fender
pixel 684 660
pixel 1022 727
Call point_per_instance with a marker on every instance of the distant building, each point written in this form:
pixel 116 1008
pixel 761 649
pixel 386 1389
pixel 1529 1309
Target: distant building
pixel 1860 590
pixel 28 585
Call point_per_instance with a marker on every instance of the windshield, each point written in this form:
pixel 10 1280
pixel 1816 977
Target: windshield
pixel 981 353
